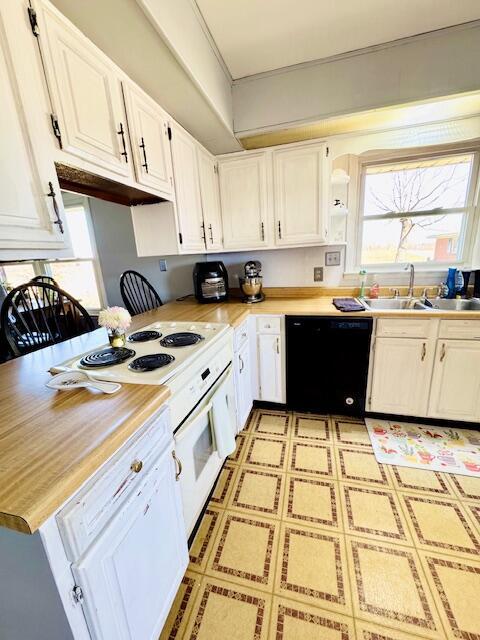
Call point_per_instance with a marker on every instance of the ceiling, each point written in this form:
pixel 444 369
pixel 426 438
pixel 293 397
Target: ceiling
pixel 254 36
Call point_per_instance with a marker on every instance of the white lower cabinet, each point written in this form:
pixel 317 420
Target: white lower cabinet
pixel 243 385
pixel 271 360
pixel 455 393
pixel 401 376
pixel 130 576
pixel 426 374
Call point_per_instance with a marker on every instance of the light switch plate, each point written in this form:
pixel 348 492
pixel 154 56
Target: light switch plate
pixel 332 258
pixel 318 274
pixel 163 265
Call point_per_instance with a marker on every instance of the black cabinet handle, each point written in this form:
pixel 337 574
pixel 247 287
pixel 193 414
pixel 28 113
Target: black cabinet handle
pixel 279 230
pixel 121 133
pixel 262 230
pixel 142 147
pixel 211 233
pixel 51 194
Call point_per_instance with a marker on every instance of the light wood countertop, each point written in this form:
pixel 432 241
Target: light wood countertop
pixel 52 441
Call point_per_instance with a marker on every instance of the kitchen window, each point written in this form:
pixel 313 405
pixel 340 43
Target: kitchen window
pixel 79 276
pixel 417 210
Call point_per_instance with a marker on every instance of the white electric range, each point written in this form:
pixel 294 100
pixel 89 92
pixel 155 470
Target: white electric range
pixel 194 359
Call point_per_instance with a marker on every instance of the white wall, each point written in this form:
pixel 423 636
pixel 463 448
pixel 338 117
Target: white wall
pixel 112 224
pixel 285 267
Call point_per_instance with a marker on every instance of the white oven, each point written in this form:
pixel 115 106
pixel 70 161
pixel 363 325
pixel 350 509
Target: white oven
pixel 202 442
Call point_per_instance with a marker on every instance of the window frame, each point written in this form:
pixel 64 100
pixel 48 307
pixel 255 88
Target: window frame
pixel 470 211
pixel 41 267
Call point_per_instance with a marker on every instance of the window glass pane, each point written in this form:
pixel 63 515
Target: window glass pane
pixel 79 233
pixel 13 275
pixel 77 279
pixel 420 185
pixel 418 239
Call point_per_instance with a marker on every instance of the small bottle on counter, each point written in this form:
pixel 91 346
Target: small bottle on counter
pixel 363 281
pixel 375 290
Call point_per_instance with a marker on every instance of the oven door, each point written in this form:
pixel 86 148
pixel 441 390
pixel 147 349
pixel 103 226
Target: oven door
pixel 196 448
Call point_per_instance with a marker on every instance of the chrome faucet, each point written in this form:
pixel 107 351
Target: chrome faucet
pixel 412 279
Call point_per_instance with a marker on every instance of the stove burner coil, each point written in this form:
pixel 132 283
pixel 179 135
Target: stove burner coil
pixel 107 357
pixel 151 362
pixel 144 336
pixel 182 339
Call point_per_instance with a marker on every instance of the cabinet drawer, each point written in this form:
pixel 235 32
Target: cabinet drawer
pixel 408 328
pixel 111 488
pixel 460 329
pixel 269 324
pixel 240 337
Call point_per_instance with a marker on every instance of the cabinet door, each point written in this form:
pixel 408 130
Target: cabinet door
pixel 243 385
pixel 86 94
pixel 455 393
pixel 300 196
pixel 270 374
pixel 148 128
pixel 212 218
pixel 243 197
pixel 187 190
pixel 131 574
pixel 27 212
pixel 401 376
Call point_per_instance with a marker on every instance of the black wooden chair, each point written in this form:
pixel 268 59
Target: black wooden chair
pixel 36 315
pixel 45 280
pixel 138 295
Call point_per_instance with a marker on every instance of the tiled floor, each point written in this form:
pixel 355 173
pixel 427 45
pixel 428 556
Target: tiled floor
pixel 307 538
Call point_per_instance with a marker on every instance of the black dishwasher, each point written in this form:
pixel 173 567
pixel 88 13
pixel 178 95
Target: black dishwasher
pixel 327 364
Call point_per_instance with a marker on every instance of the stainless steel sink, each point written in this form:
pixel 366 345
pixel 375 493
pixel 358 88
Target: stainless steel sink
pixel 393 303
pixel 444 304
pixel 439 304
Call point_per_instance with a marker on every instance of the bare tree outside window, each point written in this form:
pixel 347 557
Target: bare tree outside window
pixel 423 189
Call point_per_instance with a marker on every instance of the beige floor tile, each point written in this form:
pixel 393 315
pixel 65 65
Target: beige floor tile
pixel 389 588
pixel 225 611
pixel 465 487
pixel 312 501
pixel 224 485
pixel 373 513
pixel 292 620
pixel 271 423
pixel 358 465
pixel 440 525
pixel 311 458
pixel 204 538
pixel 311 567
pixel 244 551
pixel 369 631
pixel 474 511
pixel 177 620
pixel 236 456
pixel 270 452
pixel 411 480
pixel 258 490
pixel 351 432
pixel 306 426
pixel 455 585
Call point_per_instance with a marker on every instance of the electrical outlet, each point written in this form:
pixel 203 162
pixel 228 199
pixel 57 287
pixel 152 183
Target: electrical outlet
pixel 163 265
pixel 332 258
pixel 318 274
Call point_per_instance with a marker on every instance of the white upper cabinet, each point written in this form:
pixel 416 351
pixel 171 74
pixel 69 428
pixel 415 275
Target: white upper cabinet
pixel 31 208
pixel 300 195
pixel 455 393
pixel 148 128
pixel 244 201
pixel 212 217
pixel 86 92
pixel 187 190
